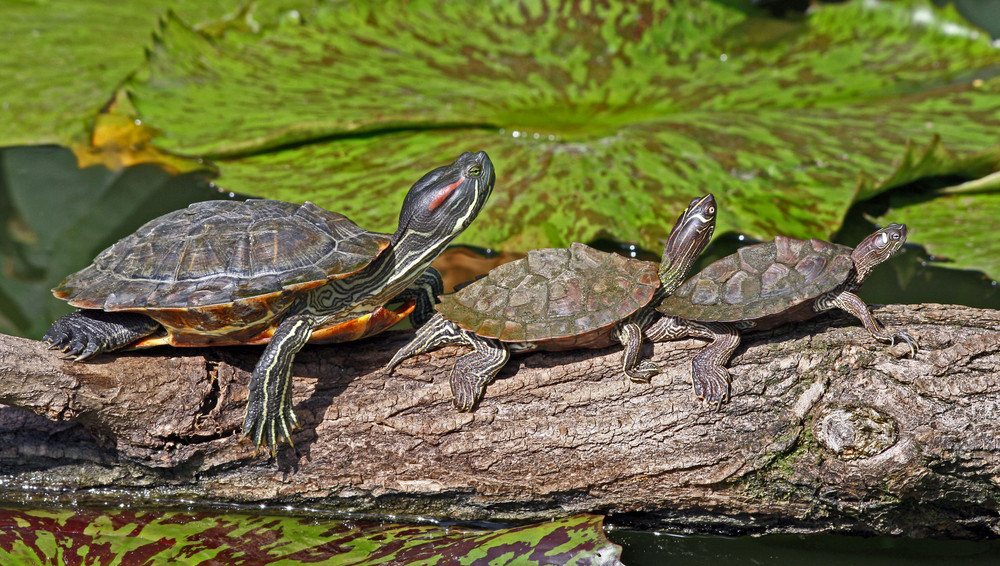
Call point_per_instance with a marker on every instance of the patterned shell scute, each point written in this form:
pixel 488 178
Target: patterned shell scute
pixel 553 293
pixel 217 252
pixel 761 280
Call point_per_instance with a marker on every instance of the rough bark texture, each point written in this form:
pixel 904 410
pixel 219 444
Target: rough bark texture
pixel 826 431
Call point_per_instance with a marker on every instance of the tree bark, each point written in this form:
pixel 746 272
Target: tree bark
pixel 826 431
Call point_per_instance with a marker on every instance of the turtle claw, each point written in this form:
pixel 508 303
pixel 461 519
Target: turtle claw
pixel 74 345
pixel 269 433
pixel 910 341
pixel 712 387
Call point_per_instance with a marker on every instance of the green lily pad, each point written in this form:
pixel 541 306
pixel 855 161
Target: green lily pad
pixel 602 120
pixel 954 228
pixel 63 59
pixel 191 538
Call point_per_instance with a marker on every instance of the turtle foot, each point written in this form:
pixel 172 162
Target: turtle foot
pixel 465 393
pixel 269 433
pixel 73 336
pixel 643 372
pixel 712 386
pixel 86 333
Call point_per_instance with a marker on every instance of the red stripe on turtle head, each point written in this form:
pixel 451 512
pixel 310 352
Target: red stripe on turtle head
pixel 443 194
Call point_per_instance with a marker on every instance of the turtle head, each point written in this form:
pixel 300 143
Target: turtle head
pixel 687 240
pixel 877 248
pixel 445 201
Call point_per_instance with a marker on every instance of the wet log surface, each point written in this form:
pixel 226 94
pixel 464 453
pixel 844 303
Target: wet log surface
pixel 826 431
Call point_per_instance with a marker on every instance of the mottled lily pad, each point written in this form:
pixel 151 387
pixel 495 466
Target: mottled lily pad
pixel 602 119
pixel 83 536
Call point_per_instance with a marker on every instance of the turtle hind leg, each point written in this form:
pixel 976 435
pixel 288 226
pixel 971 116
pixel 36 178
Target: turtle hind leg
pixel 853 304
pixel 88 332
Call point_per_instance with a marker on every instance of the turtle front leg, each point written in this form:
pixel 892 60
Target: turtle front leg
pixel 269 417
pixel 475 370
pixel 630 335
pixel 853 304
pixel 472 372
pixel 88 332
pixel 708 369
pixel 709 375
pixel 436 333
pixel 425 290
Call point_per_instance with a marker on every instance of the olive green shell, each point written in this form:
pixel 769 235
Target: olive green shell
pixel 554 295
pixel 763 280
pixel 223 263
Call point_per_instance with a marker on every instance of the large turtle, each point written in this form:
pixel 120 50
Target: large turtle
pixel 769 284
pixel 263 271
pixel 559 299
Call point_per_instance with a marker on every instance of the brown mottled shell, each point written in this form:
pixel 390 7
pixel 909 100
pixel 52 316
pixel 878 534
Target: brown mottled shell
pixel 223 267
pixel 771 280
pixel 564 297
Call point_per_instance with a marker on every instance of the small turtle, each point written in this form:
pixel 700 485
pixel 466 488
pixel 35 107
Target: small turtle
pixel 560 299
pixel 770 284
pixel 268 272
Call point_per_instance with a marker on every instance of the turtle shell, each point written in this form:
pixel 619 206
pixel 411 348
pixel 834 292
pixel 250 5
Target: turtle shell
pixel 223 267
pixel 562 298
pixel 771 282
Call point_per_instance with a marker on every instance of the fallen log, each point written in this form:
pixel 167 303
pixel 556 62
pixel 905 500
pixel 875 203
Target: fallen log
pixel 826 431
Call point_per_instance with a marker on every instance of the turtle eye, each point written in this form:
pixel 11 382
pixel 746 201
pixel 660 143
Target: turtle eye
pixel 475 171
pixel 711 210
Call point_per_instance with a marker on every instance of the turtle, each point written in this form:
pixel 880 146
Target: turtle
pixel 269 272
pixel 560 299
pixel 766 285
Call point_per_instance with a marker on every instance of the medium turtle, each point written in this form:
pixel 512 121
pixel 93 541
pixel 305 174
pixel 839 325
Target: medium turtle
pixel 767 285
pixel 268 272
pixel 560 299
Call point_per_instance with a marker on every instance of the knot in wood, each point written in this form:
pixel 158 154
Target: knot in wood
pixel 855 432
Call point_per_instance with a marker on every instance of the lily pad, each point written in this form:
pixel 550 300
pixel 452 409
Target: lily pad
pixel 601 119
pixel 191 538
pixel 63 59
pixel 954 228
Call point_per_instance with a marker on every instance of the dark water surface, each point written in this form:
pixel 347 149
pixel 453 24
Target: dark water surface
pixel 56 218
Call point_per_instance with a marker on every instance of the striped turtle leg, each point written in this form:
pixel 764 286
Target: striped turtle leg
pixel 269 417
pixel 853 304
pixel 88 332
pixel 425 290
pixel 708 373
pixel 472 372
pixel 436 333
pixel 630 335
